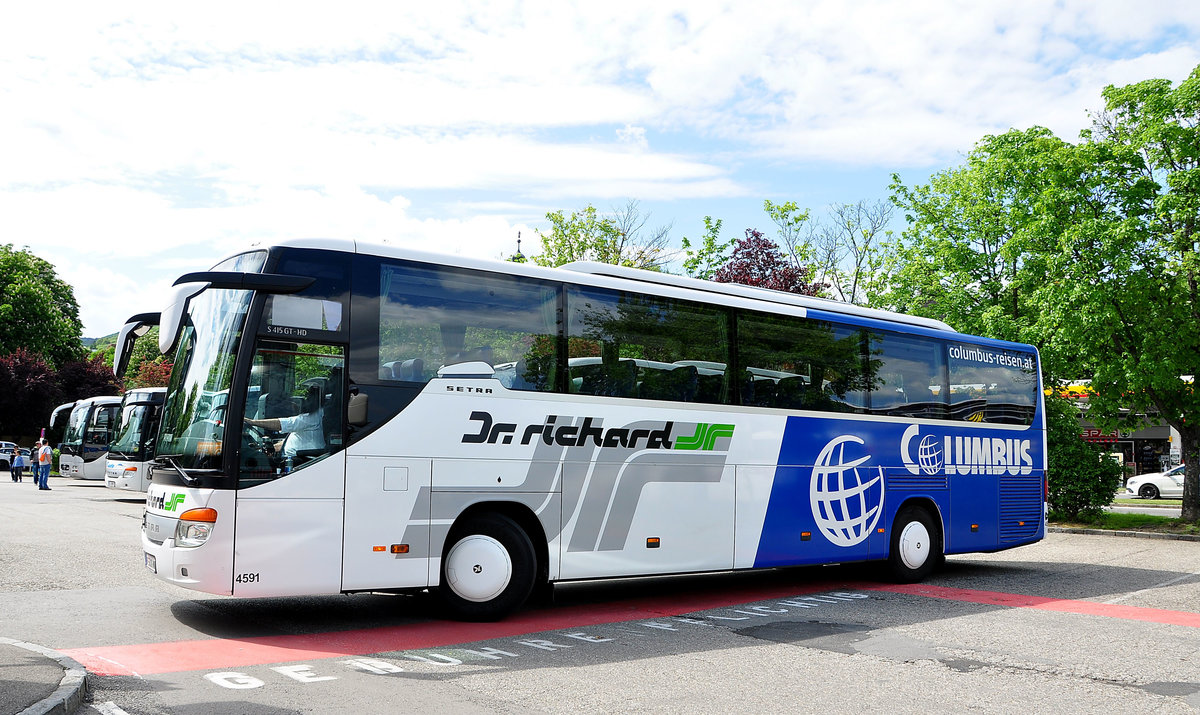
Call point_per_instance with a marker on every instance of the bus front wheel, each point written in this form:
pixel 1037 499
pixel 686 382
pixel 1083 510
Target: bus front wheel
pixel 488 568
pixel 916 545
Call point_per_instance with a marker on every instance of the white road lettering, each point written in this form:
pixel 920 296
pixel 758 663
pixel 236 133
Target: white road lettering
pixel 302 673
pixel 587 638
pixel 382 667
pixel 660 626
pixel 235 681
pixel 434 658
pixel 544 645
pixel 492 653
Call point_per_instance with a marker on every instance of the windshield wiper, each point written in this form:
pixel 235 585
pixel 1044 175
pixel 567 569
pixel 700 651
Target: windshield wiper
pixel 188 479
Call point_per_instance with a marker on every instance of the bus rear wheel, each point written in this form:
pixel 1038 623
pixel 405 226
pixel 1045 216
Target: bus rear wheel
pixel 916 545
pixel 488 568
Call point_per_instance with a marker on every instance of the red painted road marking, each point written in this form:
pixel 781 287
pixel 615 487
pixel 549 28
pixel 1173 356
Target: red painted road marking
pixel 214 654
pixel 1013 600
pixel 179 656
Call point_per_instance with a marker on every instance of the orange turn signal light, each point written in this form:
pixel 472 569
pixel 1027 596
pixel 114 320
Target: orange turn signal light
pixel 399 548
pixel 203 514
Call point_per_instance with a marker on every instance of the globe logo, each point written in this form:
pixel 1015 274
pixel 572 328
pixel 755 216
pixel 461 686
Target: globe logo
pixel 845 502
pixel 929 455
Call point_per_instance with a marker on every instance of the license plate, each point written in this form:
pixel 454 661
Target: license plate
pixel 151 563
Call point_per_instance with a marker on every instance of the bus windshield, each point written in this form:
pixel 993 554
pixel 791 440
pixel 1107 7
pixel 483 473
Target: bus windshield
pixel 129 440
pixel 76 426
pixel 193 421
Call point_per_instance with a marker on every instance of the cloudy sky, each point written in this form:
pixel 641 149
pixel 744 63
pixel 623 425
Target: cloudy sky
pixel 141 141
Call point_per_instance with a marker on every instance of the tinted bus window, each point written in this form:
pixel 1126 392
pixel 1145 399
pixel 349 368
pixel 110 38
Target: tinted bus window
pixel 430 317
pixel 801 364
pixel 909 376
pixel 626 345
pixel 991 385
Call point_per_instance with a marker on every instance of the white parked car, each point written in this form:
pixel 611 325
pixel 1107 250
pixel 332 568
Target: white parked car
pixel 1156 484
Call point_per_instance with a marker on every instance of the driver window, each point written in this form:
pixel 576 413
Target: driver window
pixel 293 409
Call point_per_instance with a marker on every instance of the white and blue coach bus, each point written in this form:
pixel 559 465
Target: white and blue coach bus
pixel 345 417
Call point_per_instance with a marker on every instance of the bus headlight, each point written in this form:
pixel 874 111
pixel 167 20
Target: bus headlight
pixel 194 527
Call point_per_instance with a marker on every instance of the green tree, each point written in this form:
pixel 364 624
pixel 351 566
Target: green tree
pixel 792 223
pixel 38 311
pixel 1080 479
pixel 1124 288
pixel 957 260
pixel 619 240
pixel 707 258
pixel 1087 250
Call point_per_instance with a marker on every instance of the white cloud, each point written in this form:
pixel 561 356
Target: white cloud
pixel 158 131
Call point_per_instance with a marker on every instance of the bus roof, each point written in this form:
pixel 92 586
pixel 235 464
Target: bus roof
pixel 99 400
pixel 635 279
pixel 752 292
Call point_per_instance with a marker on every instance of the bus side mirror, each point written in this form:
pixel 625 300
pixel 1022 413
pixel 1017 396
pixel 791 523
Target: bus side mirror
pixel 356 409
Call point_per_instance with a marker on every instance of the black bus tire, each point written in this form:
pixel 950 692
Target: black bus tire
pixel 916 549
pixel 488 568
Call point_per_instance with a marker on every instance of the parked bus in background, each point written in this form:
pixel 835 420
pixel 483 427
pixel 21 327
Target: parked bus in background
pixel 89 430
pixel 132 447
pixel 58 423
pixel 344 418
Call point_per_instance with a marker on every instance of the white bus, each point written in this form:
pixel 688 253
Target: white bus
pixel 345 418
pixel 132 447
pixel 89 430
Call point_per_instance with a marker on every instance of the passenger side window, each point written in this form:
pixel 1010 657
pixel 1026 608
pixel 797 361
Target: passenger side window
pixel 801 364
pixel 910 376
pixel 431 317
pixel 648 347
pixel 992 385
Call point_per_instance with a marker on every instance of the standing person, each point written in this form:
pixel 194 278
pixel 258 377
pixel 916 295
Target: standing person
pixel 18 465
pixel 45 458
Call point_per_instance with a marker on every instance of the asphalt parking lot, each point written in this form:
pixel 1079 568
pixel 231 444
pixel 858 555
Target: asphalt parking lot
pixel 1076 622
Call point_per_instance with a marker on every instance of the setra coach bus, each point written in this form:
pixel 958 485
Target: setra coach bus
pixel 84 449
pixel 345 417
pixel 128 464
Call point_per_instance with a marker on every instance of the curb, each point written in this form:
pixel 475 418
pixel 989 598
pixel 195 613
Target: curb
pixel 1131 534
pixel 71 689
